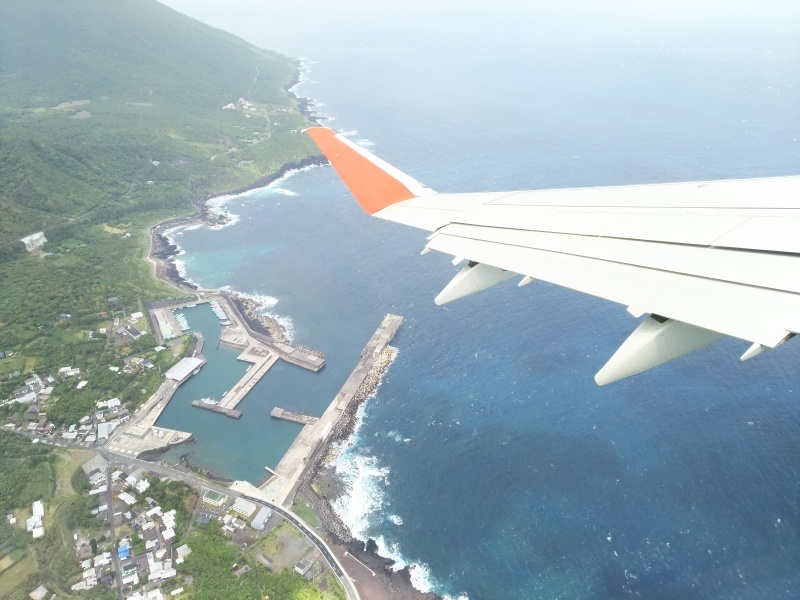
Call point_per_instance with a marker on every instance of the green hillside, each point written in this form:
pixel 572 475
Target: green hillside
pixel 92 92
pixel 111 119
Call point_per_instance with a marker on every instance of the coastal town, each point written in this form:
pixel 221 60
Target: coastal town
pixel 147 542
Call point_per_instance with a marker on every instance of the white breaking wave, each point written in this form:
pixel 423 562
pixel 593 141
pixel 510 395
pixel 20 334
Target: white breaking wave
pixel 284 192
pixel 364 142
pixel 421 577
pixel 364 481
pixel 265 303
pixel 180 267
pixel 273 185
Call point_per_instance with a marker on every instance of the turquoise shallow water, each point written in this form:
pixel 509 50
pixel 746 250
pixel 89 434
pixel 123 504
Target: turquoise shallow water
pixel 488 457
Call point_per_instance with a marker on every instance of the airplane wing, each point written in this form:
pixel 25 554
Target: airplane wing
pixel 704 259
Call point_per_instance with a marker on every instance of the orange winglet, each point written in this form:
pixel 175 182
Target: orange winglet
pixel 374 183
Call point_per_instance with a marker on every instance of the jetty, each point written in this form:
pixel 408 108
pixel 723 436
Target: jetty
pixel 294 417
pixel 258 349
pixel 228 412
pixel 262 361
pixel 281 487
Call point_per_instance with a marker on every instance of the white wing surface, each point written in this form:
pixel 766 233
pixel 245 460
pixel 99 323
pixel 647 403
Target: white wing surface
pixel 704 259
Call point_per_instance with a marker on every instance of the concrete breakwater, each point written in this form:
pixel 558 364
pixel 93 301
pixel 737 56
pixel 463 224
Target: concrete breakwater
pixel 317 476
pixel 313 439
pixel 228 412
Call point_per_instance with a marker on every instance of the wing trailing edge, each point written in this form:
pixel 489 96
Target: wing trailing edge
pixel 715 258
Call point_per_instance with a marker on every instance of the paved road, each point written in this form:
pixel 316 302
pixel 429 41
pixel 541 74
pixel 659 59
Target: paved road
pixel 110 512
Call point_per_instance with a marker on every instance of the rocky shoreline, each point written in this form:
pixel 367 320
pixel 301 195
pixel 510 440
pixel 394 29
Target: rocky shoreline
pixel 259 322
pixel 320 487
pixel 163 252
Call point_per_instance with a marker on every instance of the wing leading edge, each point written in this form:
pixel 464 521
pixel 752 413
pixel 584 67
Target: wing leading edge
pixel 705 260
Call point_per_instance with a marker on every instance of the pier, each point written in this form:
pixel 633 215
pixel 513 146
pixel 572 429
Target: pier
pixel 262 361
pixel 294 417
pixel 228 412
pixel 280 489
pixel 258 349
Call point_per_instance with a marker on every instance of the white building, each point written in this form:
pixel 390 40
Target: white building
pixel 127 498
pixel 261 518
pixel 243 507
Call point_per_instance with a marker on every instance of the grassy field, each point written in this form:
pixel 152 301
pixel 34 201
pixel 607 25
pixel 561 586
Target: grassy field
pixel 93 153
pixel 302 510
pixel 16 575
pixel 124 130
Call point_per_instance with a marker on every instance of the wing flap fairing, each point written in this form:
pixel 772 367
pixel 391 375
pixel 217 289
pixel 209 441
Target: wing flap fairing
pixel 716 258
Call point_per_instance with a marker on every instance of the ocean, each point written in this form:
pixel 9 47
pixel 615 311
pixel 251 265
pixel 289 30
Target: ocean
pixel 488 458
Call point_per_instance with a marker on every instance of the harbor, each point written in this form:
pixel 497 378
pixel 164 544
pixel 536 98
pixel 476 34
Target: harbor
pixel 257 348
pixel 168 321
pixel 261 353
pixel 286 478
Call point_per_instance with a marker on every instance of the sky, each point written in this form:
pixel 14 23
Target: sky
pixel 290 26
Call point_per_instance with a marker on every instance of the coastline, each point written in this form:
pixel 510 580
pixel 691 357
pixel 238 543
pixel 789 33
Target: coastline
pixel 320 487
pixel 390 584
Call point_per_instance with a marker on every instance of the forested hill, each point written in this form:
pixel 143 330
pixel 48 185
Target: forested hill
pixel 114 106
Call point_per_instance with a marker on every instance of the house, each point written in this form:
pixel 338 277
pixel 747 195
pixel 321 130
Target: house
pixel 127 498
pixel 103 431
pixel 39 593
pixel 67 372
pixel 102 560
pixel 124 552
pixel 132 331
pixel 168 519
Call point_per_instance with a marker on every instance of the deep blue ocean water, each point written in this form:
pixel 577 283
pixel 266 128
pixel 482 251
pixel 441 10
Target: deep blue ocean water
pixel 488 457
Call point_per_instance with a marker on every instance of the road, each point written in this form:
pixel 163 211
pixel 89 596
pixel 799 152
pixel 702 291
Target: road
pixel 115 458
pixel 113 534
